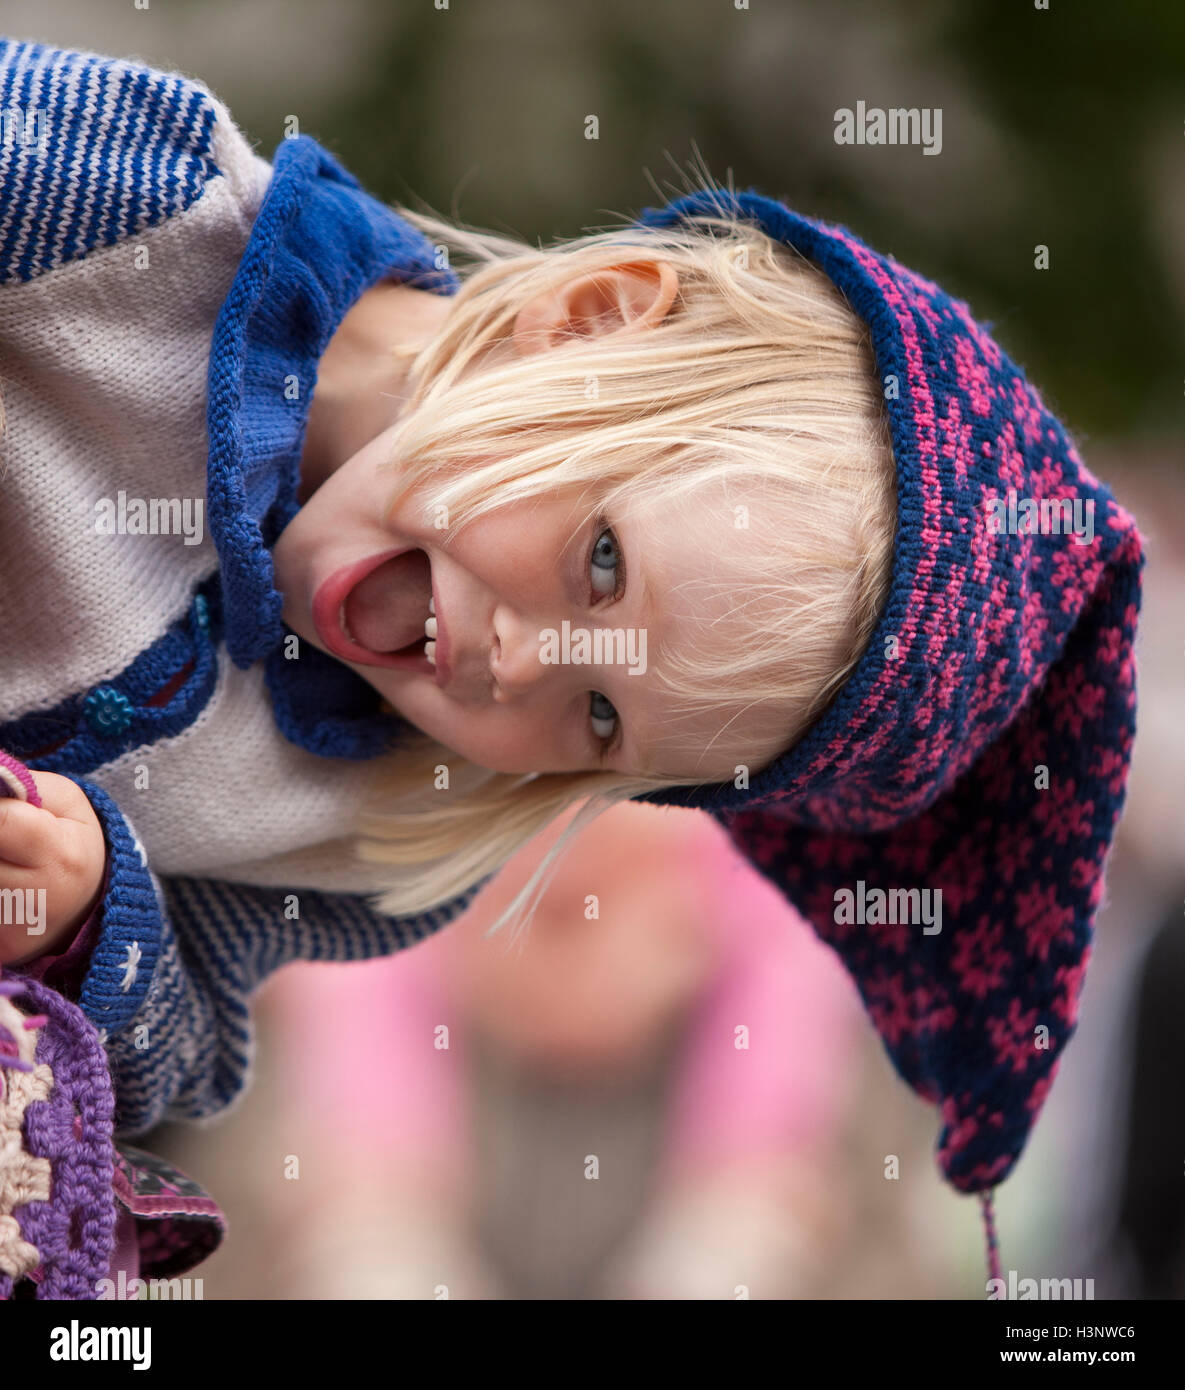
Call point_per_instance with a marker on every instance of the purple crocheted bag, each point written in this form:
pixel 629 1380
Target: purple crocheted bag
pixel 63 1177
pixel 57 1155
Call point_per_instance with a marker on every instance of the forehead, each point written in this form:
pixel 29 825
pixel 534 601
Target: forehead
pixel 695 553
pixel 696 549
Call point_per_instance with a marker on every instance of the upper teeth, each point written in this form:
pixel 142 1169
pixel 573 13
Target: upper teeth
pixel 430 630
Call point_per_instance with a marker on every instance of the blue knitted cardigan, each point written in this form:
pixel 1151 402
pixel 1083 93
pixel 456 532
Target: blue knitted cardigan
pixel 169 979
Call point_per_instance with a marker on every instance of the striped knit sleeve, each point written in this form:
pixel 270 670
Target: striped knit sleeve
pixel 177 960
pixel 93 151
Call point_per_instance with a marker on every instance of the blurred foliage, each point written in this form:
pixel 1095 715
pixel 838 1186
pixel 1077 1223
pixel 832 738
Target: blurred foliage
pixel 1087 93
pixel 1061 127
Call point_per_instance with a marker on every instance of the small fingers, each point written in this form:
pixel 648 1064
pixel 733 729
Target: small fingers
pixel 27 835
pixel 65 798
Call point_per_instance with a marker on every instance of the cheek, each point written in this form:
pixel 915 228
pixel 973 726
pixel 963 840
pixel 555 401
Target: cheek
pixel 332 519
pixel 516 552
pixel 500 738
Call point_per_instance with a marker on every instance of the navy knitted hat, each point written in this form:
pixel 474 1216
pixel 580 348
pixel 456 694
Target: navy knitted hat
pixel 980 748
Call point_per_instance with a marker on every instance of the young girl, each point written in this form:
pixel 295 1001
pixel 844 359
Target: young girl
pixel 702 509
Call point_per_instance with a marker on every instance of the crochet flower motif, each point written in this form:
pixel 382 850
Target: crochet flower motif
pixel 23 1177
pixel 107 711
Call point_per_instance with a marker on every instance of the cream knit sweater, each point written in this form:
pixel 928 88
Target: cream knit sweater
pixel 159 283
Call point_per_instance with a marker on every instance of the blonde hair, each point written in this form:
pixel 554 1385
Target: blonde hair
pixel 760 379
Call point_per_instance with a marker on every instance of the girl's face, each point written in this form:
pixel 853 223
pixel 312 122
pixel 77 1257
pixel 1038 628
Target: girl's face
pixel 521 682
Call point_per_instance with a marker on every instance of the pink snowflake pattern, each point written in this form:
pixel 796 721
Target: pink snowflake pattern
pixel 1012 470
pixel 1014 851
pixel 1110 646
pixel 899 1013
pixel 1111 763
pixel 1026 407
pixel 909 852
pixel 1043 920
pixel 963 1127
pixel 1070 577
pixel 1070 979
pixel 1080 702
pixel 980 962
pixel 1049 479
pixel 1083 872
pixel 1062 813
pixel 973 377
pixel 1014 1037
pixel 962 877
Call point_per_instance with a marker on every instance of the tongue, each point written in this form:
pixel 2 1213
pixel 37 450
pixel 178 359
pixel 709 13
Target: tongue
pixel 386 612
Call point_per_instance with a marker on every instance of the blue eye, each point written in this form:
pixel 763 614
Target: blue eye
pixel 607 568
pixel 603 714
pixel 604 562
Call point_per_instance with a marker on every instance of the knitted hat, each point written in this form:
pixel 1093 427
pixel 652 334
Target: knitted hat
pixel 980 747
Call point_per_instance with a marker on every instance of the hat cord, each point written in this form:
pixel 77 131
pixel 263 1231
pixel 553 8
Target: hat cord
pixel 989 1228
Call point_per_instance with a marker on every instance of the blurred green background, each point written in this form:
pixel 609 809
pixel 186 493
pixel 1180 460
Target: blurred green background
pixel 1061 127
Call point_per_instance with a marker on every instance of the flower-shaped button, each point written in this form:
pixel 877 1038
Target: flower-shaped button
pixel 107 711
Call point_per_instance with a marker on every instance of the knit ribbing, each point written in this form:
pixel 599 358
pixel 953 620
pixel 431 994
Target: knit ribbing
pixel 71 107
pixel 123 962
pixel 318 243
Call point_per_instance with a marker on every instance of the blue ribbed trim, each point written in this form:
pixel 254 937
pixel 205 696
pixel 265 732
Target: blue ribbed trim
pixel 318 243
pixel 323 707
pixel 112 991
pixel 115 148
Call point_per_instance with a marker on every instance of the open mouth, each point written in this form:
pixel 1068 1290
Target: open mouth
pixel 373 612
pixel 385 612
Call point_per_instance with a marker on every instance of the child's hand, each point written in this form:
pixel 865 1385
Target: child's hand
pixel 52 860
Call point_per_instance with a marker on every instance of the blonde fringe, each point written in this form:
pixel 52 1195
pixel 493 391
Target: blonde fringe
pixel 760 382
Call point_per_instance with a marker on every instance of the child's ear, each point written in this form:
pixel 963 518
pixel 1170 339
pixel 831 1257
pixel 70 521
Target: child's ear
pixel 610 300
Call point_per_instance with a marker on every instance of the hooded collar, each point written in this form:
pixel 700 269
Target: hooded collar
pixel 319 242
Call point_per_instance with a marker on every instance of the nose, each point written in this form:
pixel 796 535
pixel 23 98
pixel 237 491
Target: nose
pixel 515 656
